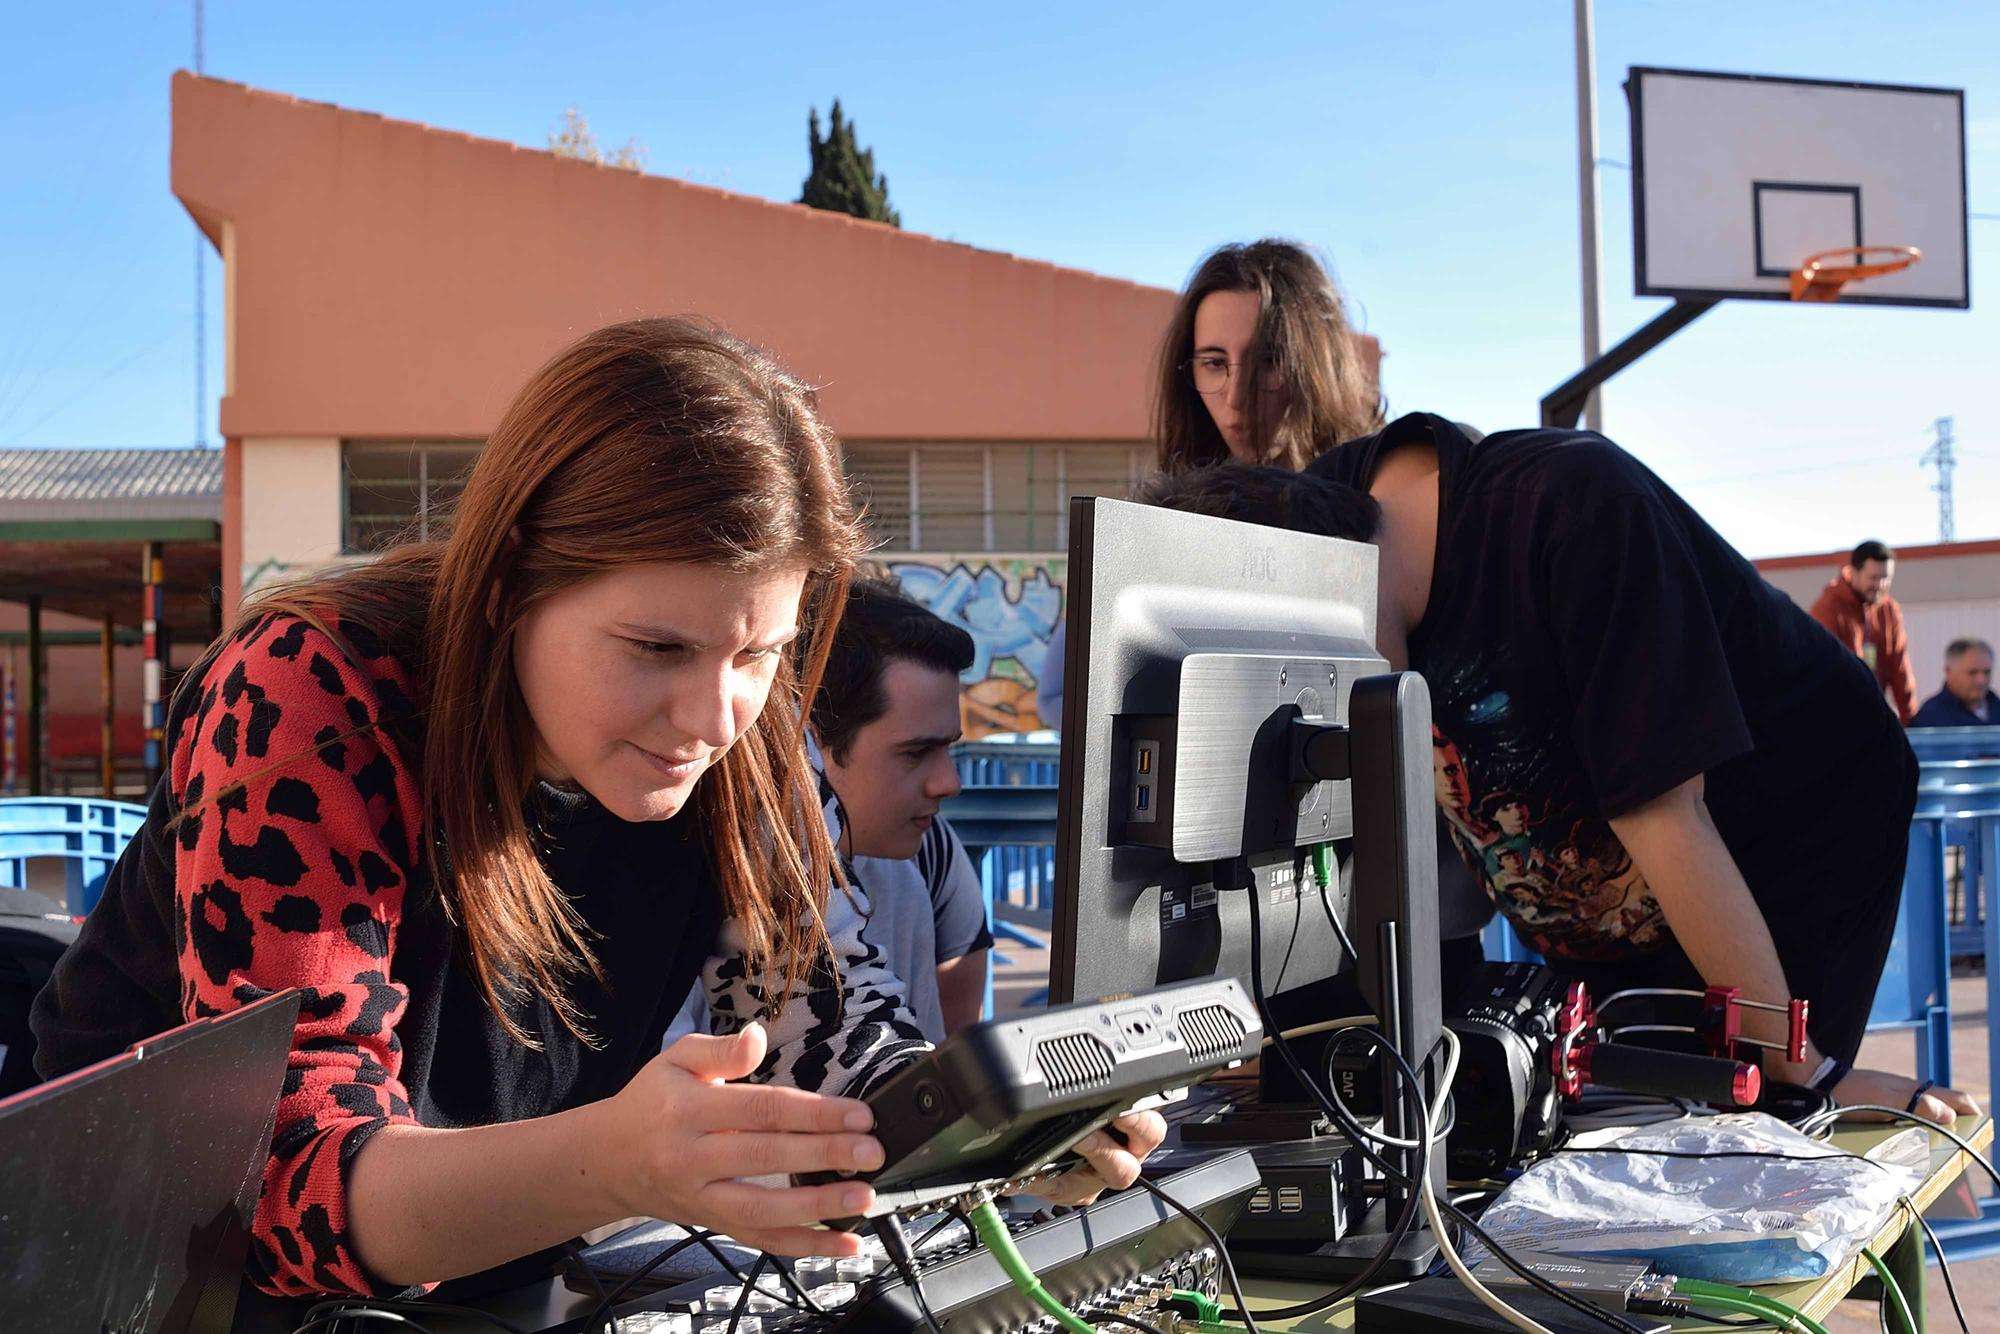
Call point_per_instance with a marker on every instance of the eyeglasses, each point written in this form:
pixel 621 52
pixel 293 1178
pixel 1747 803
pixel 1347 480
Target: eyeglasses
pixel 1210 373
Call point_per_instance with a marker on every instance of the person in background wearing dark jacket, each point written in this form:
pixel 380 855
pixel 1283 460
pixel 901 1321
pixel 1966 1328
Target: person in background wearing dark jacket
pixel 1967 699
pixel 1856 609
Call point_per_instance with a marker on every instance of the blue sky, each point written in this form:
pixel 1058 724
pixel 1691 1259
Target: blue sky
pixel 1427 148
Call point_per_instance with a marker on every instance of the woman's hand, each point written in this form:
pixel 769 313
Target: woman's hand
pixel 1108 1164
pixel 676 1142
pixel 1937 1104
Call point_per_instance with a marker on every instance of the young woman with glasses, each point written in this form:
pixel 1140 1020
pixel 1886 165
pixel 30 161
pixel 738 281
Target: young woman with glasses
pixel 1260 365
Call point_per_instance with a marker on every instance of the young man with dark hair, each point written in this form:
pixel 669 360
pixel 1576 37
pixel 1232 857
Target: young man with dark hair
pixel 1856 609
pixel 1607 673
pixel 884 722
pixel 1967 699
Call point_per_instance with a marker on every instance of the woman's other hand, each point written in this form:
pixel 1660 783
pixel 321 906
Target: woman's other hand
pixel 1935 1103
pixel 1107 1163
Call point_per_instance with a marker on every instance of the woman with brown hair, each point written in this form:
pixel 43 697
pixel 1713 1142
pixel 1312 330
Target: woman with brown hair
pixel 1259 364
pixel 493 802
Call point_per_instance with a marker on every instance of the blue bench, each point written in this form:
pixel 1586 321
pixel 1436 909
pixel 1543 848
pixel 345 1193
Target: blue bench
pixel 1962 762
pixel 85 834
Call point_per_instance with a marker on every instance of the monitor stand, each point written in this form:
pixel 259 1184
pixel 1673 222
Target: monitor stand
pixel 1387 755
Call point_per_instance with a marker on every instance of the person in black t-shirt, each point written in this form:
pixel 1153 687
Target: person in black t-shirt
pixel 1662 770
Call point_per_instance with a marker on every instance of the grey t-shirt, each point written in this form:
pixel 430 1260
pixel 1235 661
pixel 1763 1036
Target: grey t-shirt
pixel 919 912
pixel 923 911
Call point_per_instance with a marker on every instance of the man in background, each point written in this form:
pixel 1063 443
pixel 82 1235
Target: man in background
pixel 1856 608
pixel 884 721
pixel 1967 699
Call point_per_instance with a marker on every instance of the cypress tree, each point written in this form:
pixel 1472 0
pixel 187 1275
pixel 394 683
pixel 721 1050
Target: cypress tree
pixel 843 177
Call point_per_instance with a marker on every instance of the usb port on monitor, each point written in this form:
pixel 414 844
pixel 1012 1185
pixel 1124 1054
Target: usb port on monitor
pixel 1291 1199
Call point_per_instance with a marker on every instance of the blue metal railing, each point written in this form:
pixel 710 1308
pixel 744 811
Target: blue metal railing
pixel 1006 817
pixel 84 834
pixel 1958 806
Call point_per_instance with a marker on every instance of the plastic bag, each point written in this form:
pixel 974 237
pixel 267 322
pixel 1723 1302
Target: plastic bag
pixel 1729 1219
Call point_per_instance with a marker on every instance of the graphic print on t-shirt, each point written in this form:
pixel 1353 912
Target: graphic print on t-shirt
pixel 1512 791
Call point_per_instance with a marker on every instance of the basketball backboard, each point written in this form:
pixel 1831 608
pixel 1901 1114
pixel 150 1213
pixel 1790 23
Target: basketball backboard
pixel 1737 178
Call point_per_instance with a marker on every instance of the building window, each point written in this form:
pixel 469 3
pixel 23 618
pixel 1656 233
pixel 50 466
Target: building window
pixel 998 497
pixel 397 491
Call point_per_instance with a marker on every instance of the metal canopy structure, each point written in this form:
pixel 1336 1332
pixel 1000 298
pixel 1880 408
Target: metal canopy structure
pixel 100 578
pixel 74 524
pixel 124 538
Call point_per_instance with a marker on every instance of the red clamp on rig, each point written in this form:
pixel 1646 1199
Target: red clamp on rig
pixel 1722 1023
pixel 1580 1053
pixel 1575 1020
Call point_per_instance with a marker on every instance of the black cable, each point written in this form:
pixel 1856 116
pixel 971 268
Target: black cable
pixel 331 1321
pixel 1944 1263
pixel 737 1274
pixel 1454 1214
pixel 743 1293
pixel 932 1231
pixel 1412 1088
pixel 1095 1317
pixel 1899 1114
pixel 1793 1103
pixel 1333 1089
pixel 1243 1315
pixel 1734 1322
pixel 1333 919
pixel 702 1235
pixel 573 1248
pixel 393 1311
pixel 889 1229
pixel 1404 1223
pixel 1351 1126
pixel 805 1299
pixel 601 1313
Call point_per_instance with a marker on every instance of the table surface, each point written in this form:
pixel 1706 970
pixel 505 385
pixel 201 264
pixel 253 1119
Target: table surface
pixel 545 1305
pixel 1814 1297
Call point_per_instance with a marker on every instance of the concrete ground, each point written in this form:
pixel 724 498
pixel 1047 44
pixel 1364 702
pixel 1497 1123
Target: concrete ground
pixel 1026 971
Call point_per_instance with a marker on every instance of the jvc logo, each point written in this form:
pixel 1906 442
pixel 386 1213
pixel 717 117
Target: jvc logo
pixel 1259 563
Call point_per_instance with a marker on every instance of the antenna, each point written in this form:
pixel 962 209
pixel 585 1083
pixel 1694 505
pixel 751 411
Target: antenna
pixel 1941 455
pixel 200 286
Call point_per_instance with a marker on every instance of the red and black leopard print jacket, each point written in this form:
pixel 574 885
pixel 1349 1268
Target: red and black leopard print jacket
pixel 305 873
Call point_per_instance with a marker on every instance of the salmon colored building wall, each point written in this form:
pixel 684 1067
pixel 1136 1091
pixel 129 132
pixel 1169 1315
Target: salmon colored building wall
pixel 389 281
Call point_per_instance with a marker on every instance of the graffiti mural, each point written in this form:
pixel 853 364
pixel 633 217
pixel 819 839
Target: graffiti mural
pixel 1010 605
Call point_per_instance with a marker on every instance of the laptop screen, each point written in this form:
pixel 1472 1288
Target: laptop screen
pixel 127 1188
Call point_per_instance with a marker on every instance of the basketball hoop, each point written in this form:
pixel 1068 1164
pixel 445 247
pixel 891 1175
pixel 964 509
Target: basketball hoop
pixel 1818 279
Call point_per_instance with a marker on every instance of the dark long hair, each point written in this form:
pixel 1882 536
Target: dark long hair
pixel 654 440
pixel 1330 395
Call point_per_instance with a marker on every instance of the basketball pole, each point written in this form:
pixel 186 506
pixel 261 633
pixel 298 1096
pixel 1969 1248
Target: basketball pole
pixel 1562 405
pixel 1586 166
